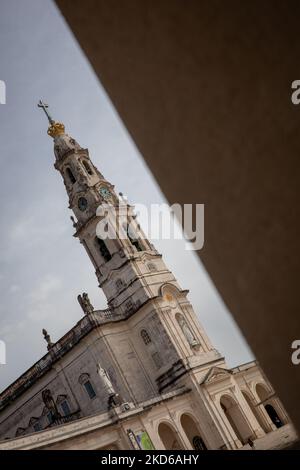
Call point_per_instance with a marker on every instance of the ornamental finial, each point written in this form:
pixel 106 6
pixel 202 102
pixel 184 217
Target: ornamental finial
pixel 44 107
pixel 55 128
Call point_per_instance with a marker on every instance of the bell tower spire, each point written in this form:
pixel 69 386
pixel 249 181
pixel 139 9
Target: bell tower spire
pixel 116 260
pixel 130 271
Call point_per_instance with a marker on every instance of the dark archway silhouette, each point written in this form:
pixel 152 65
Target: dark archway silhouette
pixel 71 175
pixel 274 416
pixel 269 405
pixel 192 432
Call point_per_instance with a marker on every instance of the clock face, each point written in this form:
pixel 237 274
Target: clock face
pixel 105 193
pixel 82 203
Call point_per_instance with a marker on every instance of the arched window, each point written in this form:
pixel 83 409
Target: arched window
pixel 103 249
pixel 64 404
pixel 60 399
pixel 89 389
pixel 145 336
pixel 133 238
pixel 65 408
pixel 87 167
pixel 70 175
pixel 84 380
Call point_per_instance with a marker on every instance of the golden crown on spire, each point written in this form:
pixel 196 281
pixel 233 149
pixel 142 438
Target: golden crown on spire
pixel 55 128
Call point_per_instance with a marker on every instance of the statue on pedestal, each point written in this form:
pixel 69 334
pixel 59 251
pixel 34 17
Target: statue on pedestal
pixel 85 303
pixel 106 380
pixel 114 398
pixel 48 339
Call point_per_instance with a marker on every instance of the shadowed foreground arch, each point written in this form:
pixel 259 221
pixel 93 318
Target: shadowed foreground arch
pixel 168 437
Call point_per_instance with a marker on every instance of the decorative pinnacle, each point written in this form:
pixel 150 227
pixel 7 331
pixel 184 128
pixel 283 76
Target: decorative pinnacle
pixel 55 128
pixel 48 339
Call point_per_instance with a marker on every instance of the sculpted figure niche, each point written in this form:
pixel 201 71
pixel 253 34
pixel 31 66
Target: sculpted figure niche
pixel 187 331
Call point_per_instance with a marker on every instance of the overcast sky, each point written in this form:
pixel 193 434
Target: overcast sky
pixel 43 268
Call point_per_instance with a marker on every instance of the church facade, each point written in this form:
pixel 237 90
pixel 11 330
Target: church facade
pixel 141 374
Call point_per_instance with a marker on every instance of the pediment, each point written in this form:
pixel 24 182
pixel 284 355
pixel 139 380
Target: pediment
pixel 170 289
pixel 214 374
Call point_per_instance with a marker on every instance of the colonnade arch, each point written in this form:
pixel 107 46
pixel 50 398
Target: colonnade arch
pixel 169 437
pixel 235 418
pixel 192 432
pixel 269 404
pixel 260 419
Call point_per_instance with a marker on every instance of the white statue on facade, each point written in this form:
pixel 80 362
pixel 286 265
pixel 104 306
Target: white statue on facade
pixel 106 380
pixel 187 332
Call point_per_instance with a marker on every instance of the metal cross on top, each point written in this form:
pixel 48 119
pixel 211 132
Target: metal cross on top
pixel 44 107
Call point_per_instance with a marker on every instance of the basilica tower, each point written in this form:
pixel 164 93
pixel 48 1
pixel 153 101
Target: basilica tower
pixel 130 271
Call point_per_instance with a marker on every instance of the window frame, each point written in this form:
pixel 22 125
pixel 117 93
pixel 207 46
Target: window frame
pixel 71 176
pixel 146 337
pixel 67 405
pixel 89 388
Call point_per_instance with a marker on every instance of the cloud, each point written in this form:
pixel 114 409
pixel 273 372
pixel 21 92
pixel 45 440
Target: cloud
pixel 41 298
pixel 10 332
pixel 14 288
pixel 30 230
